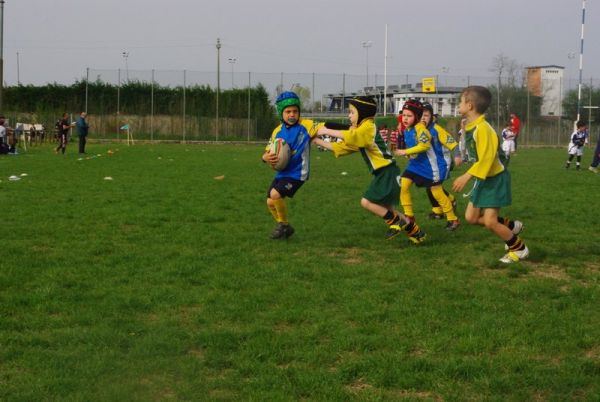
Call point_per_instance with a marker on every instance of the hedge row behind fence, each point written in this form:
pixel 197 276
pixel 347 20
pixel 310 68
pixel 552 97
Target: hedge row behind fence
pixel 149 109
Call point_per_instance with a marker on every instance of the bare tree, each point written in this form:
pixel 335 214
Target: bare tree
pixel 512 72
pixel 502 65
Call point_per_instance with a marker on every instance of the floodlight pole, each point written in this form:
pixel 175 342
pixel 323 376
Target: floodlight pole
pixel 232 61
pixel 218 85
pixel 126 56
pixel 152 108
pixel 1 52
pixel 367 44
pixel 385 56
pixel 581 62
pixel 87 83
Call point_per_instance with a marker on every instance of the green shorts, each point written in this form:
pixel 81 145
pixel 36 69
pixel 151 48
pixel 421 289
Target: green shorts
pixel 384 188
pixel 493 192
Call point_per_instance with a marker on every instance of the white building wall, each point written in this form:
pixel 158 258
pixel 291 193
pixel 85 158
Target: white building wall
pixel 552 93
pixel 443 104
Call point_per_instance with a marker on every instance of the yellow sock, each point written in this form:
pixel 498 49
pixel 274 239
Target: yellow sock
pixel 272 209
pixel 405 198
pixel 437 210
pixel 282 211
pixel 444 201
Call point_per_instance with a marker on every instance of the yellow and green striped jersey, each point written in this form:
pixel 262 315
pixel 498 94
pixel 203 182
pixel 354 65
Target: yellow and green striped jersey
pixel 364 139
pixel 482 141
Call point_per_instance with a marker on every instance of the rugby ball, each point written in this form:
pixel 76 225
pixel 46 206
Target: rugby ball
pixel 280 148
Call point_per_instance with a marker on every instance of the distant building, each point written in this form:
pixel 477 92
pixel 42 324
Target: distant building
pixel 444 101
pixel 338 103
pixel 547 82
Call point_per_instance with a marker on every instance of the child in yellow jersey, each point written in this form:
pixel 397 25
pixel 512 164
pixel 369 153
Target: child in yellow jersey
pixel 492 189
pixel 362 136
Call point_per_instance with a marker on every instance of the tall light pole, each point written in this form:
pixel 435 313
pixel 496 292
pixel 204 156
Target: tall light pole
pixel 445 70
pixel 367 44
pixel 570 56
pixel 232 61
pixel 126 56
pixel 385 56
pixel 218 85
pixel 1 52
pixel 18 71
pixel 581 62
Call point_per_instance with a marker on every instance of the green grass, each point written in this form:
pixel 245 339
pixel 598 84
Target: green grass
pixel 162 284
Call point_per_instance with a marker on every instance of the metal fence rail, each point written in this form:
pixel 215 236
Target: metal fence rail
pixel 315 90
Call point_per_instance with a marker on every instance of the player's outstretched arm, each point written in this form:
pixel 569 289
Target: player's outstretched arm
pixel 330 132
pixel 320 142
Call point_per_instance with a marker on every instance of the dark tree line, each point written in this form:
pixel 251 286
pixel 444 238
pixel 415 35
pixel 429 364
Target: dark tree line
pixel 135 98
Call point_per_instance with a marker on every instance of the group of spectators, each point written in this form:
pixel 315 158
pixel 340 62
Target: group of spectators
pixel 8 136
pixel 64 125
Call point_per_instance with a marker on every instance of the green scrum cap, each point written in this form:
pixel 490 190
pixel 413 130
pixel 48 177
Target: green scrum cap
pixel 285 99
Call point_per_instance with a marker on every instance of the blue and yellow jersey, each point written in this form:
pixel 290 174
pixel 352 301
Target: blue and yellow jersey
pixel 298 138
pixel 422 156
pixel 365 139
pixel 443 144
pixel 482 143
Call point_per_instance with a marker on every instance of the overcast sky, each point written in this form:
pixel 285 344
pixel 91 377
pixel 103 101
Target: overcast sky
pixel 57 39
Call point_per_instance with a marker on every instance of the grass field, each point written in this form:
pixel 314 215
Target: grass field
pixel 162 284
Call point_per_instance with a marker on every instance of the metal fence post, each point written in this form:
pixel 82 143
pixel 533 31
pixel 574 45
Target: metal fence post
pixel 87 80
pixel 312 95
pixel 118 100
pixel 343 105
pixel 249 92
pixel 183 121
pixel 152 108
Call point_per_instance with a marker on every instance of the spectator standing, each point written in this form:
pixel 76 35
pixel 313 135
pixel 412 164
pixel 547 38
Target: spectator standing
pixel 63 131
pixel 82 131
pixel 515 124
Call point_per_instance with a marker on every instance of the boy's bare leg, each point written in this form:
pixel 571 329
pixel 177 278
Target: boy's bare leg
pixel 489 219
pixel 376 209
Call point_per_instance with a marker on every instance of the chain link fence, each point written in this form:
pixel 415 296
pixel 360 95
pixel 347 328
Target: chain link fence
pixel 159 105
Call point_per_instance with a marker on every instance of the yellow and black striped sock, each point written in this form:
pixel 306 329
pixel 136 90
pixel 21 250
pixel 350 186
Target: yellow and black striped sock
pixel 515 243
pixel 391 218
pixel 506 222
pixel 412 228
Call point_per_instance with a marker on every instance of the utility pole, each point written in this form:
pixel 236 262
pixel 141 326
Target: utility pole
pixel 367 44
pixel 218 85
pixel 126 56
pixel 232 61
pixel 581 63
pixel 1 53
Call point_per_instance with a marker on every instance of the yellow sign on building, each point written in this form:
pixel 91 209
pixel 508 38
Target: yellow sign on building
pixel 428 84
